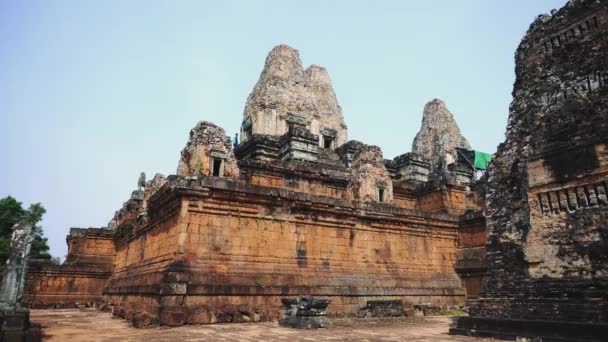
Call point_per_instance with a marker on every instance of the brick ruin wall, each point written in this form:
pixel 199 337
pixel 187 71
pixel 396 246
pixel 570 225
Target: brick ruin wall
pixel 547 209
pixel 223 249
pixel 80 279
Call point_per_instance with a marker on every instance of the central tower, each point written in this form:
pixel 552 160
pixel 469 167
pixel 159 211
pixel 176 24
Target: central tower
pixel 287 96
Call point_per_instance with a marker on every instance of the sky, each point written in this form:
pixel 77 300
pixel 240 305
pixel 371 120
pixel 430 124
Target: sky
pixel 94 92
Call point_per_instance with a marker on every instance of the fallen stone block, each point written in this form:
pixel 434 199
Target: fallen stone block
pixel 305 313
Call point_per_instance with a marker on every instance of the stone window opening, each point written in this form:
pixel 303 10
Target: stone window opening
pixel 246 129
pixel 327 142
pixel 328 137
pixel 595 23
pixel 247 133
pixel 217 167
pixel 381 195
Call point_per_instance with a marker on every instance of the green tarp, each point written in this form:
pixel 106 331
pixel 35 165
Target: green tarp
pixel 482 160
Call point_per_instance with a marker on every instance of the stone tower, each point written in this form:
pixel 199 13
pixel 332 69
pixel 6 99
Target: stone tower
pixel 208 152
pixel 438 137
pixel 287 95
pixel 547 205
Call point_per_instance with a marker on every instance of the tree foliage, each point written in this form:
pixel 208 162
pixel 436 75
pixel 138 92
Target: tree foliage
pixel 11 211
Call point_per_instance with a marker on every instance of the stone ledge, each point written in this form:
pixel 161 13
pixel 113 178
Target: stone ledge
pixel 282 290
pixel 182 185
pixel 548 331
pixel 77 232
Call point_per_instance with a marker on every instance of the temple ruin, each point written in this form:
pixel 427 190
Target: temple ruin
pixel 296 210
pixel 547 210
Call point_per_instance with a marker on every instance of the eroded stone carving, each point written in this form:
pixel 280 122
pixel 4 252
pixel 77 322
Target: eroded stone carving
pixel 571 199
pixel 13 276
pixel 382 308
pixel 305 313
pixel 15 322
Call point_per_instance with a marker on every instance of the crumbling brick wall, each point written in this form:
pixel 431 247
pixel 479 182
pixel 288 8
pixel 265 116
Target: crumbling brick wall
pixel 547 212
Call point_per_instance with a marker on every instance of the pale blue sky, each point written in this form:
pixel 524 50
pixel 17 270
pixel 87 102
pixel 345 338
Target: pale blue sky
pixel 93 92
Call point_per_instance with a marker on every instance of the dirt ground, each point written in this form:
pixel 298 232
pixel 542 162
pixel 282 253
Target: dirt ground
pixel 88 325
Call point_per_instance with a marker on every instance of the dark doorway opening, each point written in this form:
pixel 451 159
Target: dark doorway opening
pixel 217 167
pixel 380 195
pixel 247 133
pixel 327 142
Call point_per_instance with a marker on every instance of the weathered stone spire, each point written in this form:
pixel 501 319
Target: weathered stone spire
pixel 285 92
pixel 438 137
pixel 281 84
pixel 324 97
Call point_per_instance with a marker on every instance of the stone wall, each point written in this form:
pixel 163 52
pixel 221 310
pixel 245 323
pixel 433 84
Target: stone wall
pixel 225 251
pixel 326 180
pixel 80 279
pixel 447 199
pixel 547 214
pixel 470 265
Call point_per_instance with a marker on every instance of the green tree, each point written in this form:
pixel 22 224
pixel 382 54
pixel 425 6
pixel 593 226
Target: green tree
pixel 11 211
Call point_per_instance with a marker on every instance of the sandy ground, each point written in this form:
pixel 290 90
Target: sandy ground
pixel 88 325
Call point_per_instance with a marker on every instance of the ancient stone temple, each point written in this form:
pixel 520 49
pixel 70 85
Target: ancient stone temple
pixel 547 208
pixel 297 223
pixel 294 210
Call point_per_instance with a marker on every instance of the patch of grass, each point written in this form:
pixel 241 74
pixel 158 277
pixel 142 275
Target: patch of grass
pixel 452 312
